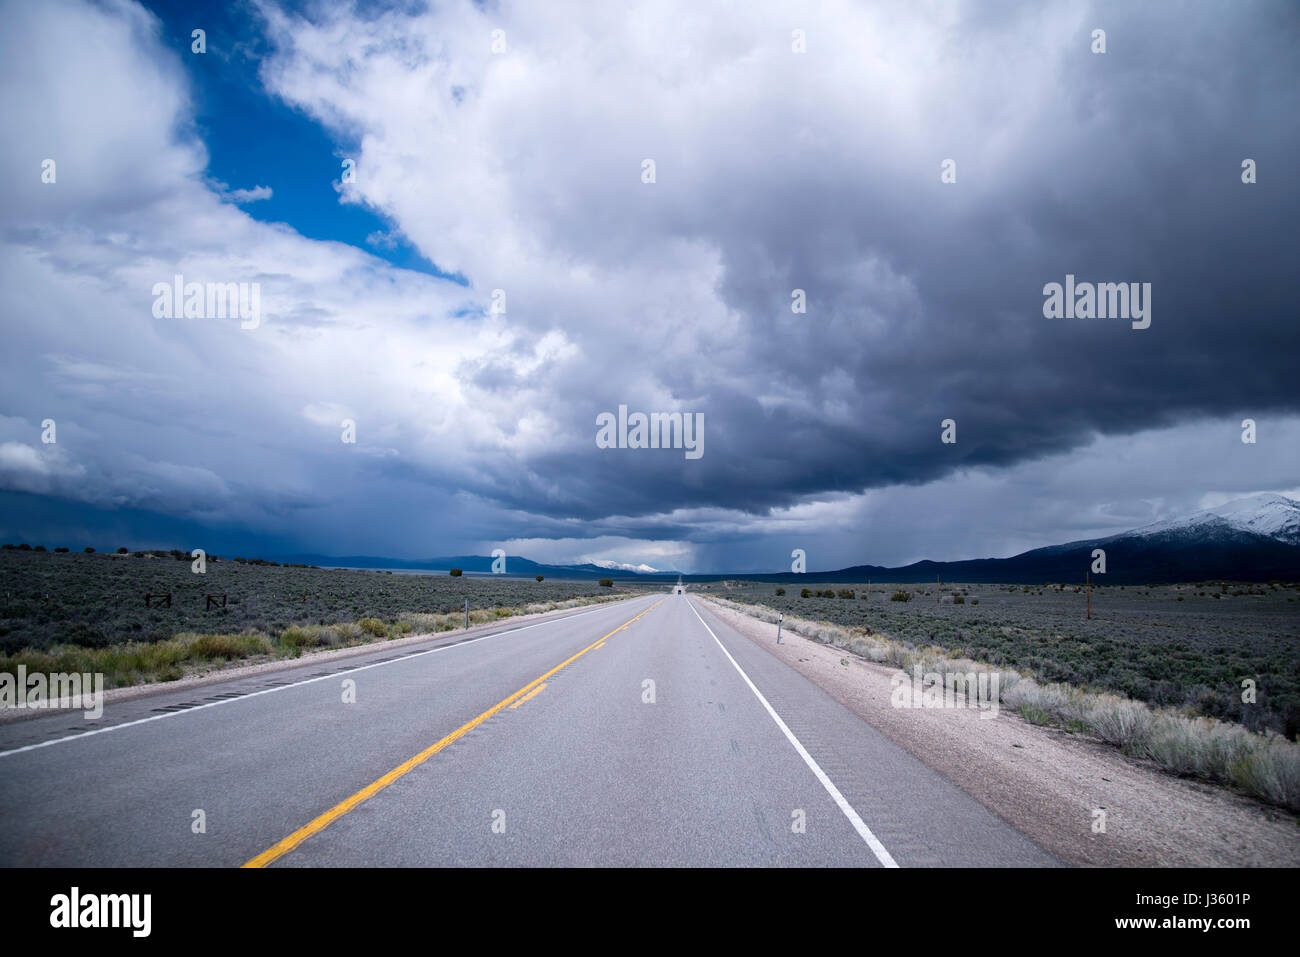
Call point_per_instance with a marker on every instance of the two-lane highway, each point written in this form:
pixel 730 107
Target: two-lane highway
pixel 644 732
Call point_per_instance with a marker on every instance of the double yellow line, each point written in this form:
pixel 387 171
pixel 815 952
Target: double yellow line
pixel 280 848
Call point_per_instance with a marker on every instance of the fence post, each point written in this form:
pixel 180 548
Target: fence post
pixel 467 614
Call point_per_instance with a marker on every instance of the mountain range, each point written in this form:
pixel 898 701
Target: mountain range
pixel 1256 538
pixel 1250 539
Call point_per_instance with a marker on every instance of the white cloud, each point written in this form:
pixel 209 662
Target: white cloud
pixel 250 195
pixel 44 471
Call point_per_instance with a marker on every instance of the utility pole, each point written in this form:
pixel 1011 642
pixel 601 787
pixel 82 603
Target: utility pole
pixel 1088 581
pixel 938 588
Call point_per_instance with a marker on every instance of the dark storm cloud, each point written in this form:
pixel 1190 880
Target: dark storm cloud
pixel 925 299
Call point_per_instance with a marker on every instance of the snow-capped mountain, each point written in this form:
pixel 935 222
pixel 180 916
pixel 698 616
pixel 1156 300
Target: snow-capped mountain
pixel 642 569
pixel 1269 514
pixel 1256 538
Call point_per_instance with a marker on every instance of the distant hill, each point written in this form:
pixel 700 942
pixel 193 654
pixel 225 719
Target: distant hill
pixel 1251 539
pixel 516 566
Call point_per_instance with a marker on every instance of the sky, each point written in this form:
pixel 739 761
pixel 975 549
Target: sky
pixel 448 213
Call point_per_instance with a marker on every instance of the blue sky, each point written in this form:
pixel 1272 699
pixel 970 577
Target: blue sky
pixel 254 139
pixel 501 158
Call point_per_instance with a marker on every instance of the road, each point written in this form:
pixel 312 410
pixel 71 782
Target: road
pixel 644 732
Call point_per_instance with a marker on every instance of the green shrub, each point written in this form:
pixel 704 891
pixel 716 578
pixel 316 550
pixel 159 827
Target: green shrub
pixel 298 637
pixel 373 626
pixel 780 591
pixel 805 593
pixel 456 573
pixel 227 647
pixel 901 595
pixel 541 578
pixel 1271 773
pixel 606 583
pixel 1034 715
pixel 1122 723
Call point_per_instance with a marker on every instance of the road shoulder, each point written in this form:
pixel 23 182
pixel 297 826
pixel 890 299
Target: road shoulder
pixel 1048 784
pixel 310 658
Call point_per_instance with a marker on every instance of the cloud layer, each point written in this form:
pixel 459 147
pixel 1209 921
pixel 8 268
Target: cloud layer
pixel 521 171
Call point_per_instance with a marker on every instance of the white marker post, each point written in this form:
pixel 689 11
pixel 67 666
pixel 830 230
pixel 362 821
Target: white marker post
pixel 780 617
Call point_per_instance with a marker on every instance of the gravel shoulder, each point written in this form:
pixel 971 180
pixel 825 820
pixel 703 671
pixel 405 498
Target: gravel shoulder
pixel 1047 783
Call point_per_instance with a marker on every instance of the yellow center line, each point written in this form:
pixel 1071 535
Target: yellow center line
pixel 532 694
pixel 280 848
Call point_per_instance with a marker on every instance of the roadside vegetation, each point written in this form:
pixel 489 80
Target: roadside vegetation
pixel 77 611
pixel 1189 647
pixel 136 662
pixel 1262 764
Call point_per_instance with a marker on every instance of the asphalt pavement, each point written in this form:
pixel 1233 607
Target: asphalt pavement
pixel 637 733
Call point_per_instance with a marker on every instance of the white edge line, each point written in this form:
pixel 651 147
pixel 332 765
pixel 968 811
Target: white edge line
pixel 296 684
pixel 859 825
